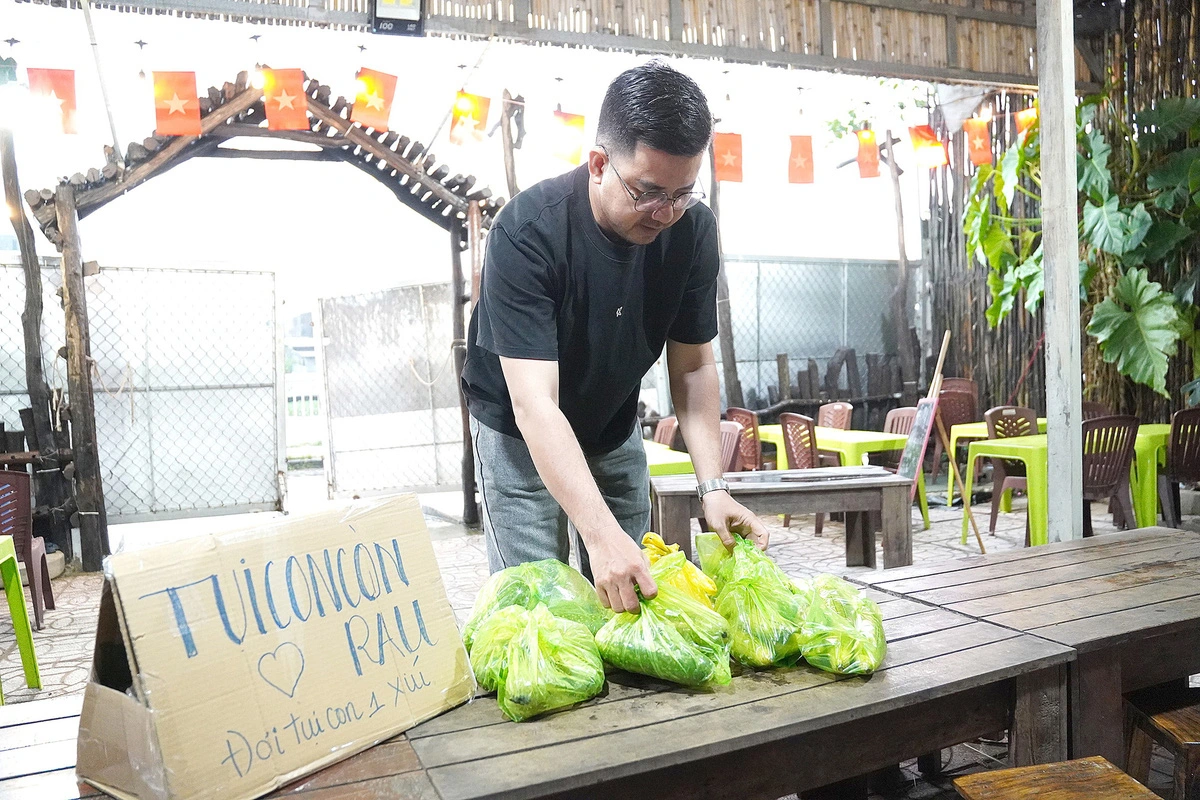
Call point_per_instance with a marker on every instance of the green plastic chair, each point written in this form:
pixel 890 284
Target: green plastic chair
pixel 20 615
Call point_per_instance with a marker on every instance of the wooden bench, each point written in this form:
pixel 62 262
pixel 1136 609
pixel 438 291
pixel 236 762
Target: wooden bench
pixel 1083 779
pixel 1169 715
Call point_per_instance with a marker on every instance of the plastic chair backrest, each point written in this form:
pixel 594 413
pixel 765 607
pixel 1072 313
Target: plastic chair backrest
pixel 1092 410
pixel 664 433
pixel 731 437
pixel 900 420
pixel 956 407
pixel 1005 422
pixel 1107 453
pixel 835 415
pixel 751 448
pixel 961 385
pixel 799 440
pixel 1183 450
pixel 16 511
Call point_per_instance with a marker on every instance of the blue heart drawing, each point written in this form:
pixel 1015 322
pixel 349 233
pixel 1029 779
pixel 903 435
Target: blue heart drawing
pixel 283 669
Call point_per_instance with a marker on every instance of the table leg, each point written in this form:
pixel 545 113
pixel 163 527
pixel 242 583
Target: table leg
pixel 1036 477
pixel 896 519
pixel 1145 486
pixel 1096 712
pixel 674 524
pixel 1039 726
pixel 860 540
pixel 20 617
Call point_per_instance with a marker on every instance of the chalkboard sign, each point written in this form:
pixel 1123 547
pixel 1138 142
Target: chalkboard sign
pixel 918 438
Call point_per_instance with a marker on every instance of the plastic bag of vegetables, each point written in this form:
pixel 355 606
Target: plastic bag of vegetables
pixel 675 637
pixel 536 662
pixel 843 630
pixel 763 610
pixel 563 590
pixel 676 570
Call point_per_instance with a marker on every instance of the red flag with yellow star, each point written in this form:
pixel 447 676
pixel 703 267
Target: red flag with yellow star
pixel 373 103
pixel 176 106
pixel 727 156
pixel 800 167
pixel 469 118
pixel 56 86
pixel 285 100
pixel 929 152
pixel 868 154
pixel 979 141
pixel 567 142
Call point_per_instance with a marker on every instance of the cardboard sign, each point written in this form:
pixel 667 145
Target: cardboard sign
pixel 227 666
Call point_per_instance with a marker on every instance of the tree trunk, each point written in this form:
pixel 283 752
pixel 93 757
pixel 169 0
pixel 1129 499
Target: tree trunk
pixel 460 298
pixel 908 359
pixel 733 386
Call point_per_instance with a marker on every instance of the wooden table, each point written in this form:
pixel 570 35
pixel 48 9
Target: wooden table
pixel 857 491
pixel 947 679
pixel 1127 603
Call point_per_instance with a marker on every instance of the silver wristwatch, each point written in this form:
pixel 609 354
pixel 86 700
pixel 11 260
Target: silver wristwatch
pixel 711 485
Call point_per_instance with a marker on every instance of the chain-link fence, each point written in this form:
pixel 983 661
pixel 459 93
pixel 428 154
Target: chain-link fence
pixel 391 396
pixel 185 382
pixel 806 308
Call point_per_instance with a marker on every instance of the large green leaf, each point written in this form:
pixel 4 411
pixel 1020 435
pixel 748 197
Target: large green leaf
pixel 1174 171
pixel 1115 230
pixel 1137 225
pixel 1031 274
pixel 1136 329
pixel 1010 172
pixel 1094 177
pixel 1173 117
pixel 1163 237
pixel 1003 286
pixel 998 247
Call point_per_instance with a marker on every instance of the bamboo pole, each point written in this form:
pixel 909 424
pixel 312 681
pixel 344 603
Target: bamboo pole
pixel 733 386
pixel 908 361
pixel 459 300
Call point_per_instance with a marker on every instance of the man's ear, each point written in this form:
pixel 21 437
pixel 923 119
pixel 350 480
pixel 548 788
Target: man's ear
pixel 596 161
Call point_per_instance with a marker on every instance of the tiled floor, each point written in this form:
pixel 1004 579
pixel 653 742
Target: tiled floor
pixel 64 646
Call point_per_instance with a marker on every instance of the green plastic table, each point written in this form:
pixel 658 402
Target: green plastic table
pixel 972 430
pixel 1150 450
pixel 11 575
pixel 662 460
pixel 1149 447
pixel 852 446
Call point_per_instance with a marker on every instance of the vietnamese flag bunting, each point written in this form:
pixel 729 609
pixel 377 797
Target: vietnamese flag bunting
pixel 1026 118
pixel 929 151
pixel 285 100
pixel 176 106
pixel 568 137
pixel 57 86
pixel 373 103
pixel 979 141
pixel 468 118
pixel 868 154
pixel 800 167
pixel 727 156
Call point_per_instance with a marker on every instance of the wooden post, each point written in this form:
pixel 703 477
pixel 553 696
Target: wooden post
pixel 460 299
pixel 908 360
pixel 93 520
pixel 733 386
pixel 50 487
pixel 1060 243
pixel 785 376
pixel 510 166
pixel 475 243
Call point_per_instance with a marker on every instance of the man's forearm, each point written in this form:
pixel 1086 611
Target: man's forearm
pixel 697 398
pixel 561 464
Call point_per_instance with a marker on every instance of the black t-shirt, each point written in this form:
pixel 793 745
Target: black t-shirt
pixel 555 288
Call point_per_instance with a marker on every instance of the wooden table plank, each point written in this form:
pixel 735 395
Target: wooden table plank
pixel 935 619
pixel 1098 604
pixel 59 784
pixel 17 737
pixel 1109 630
pixel 902 607
pixel 1144 537
pixel 37 758
pixel 38 710
pixel 559 764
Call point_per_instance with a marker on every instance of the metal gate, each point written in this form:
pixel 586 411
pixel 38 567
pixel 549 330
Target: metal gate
pixel 392 401
pixel 185 378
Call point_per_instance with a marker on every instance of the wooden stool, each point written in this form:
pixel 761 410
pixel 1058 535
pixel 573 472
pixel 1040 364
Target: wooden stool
pixel 1082 779
pixel 20 614
pixel 1169 715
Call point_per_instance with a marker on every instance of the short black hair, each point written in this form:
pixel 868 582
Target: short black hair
pixel 658 106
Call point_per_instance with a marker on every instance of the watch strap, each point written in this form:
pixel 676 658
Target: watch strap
pixel 712 485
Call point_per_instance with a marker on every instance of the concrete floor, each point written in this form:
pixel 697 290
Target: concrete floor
pixel 64 646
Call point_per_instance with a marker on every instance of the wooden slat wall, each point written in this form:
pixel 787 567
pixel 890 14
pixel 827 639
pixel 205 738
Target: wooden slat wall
pixel 991 47
pixel 888 35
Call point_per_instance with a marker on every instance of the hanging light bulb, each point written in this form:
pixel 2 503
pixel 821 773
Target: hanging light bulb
pixel 1026 118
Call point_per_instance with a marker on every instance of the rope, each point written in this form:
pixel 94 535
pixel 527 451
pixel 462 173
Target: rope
pixel 412 364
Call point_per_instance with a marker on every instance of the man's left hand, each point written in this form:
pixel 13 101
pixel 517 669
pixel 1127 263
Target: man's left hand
pixel 728 517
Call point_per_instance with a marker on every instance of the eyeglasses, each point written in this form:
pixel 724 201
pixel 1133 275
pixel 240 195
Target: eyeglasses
pixel 655 201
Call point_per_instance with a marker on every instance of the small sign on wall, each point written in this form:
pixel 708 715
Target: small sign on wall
pixel 399 17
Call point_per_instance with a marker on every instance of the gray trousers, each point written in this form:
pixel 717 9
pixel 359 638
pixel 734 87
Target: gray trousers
pixel 522 522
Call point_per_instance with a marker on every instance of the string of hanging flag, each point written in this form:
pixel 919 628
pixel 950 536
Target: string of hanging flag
pixel 177 113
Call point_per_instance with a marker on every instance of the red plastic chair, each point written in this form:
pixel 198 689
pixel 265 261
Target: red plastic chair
pixel 750 446
pixel 961 385
pixel 1183 462
pixel 664 432
pixel 954 407
pixel 16 520
pixel 800 445
pixel 1004 422
pixel 834 415
pixel 1107 458
pixel 898 421
pixel 731 454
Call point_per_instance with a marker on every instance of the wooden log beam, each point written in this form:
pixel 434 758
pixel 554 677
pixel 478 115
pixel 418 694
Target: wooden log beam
pixel 93 520
pixel 401 191
pixel 148 168
pixel 899 301
pixel 460 298
pixel 235 129
pixel 357 136
pixel 271 155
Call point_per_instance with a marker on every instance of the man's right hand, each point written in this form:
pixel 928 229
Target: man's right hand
pixel 620 568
